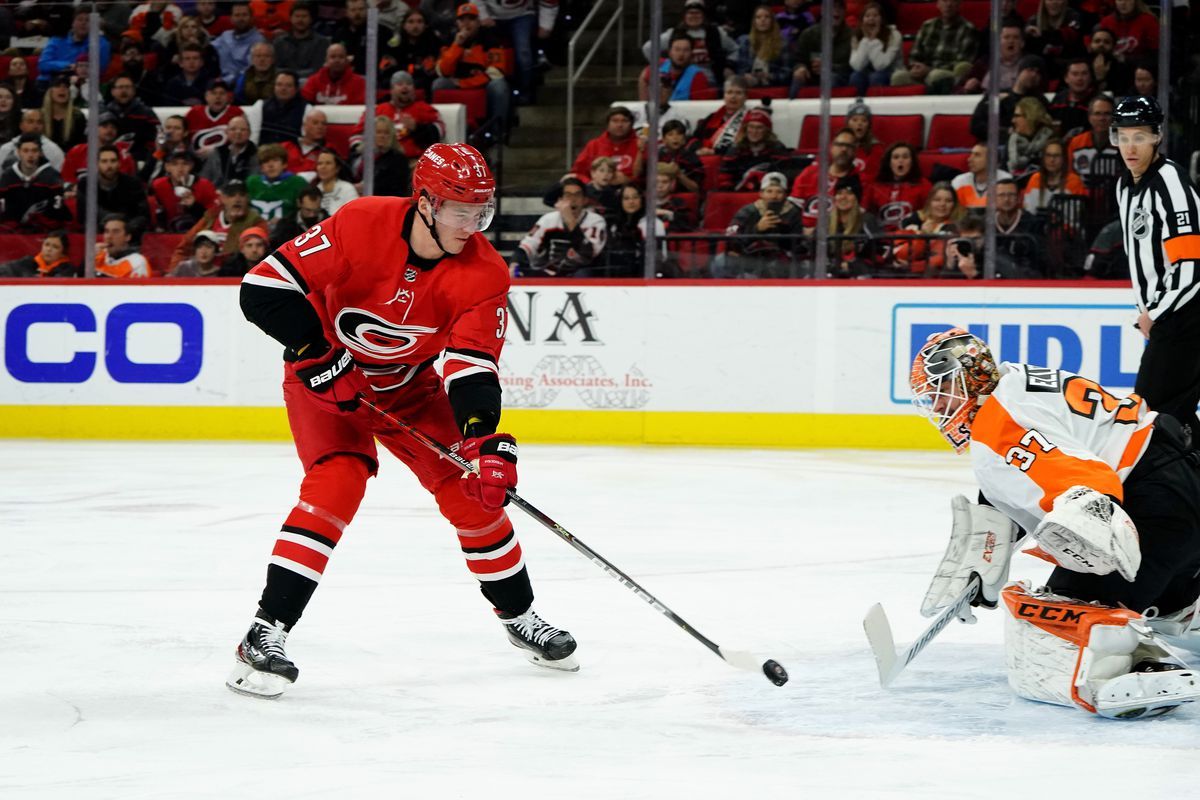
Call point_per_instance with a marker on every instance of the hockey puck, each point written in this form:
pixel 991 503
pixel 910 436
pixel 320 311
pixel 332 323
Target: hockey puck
pixel 775 672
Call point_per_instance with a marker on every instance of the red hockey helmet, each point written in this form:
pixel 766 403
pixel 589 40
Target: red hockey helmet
pixel 458 173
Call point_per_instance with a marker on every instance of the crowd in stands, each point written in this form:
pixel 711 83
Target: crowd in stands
pixel 199 175
pixel 891 211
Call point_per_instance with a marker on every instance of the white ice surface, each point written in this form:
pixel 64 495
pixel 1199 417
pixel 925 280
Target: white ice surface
pixel 131 571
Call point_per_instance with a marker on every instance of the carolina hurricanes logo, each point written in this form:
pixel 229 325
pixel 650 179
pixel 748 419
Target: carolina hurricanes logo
pixel 366 333
pixel 892 213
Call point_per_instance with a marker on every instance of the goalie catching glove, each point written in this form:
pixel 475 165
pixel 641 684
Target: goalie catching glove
pixel 495 457
pixel 981 543
pixel 1087 532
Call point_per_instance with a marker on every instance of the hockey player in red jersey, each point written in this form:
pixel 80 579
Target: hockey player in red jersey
pixel 1111 493
pixel 402 301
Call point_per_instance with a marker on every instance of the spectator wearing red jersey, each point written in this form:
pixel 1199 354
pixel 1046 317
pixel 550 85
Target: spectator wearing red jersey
pixel 1135 27
pixel 335 84
pixel 1055 32
pixel 899 189
pixel 211 19
pixel 209 122
pixel 418 124
pixel 75 164
pixel 805 189
pixel 302 154
pixel 618 142
pixel 155 20
pixel 271 16
pixel 716 133
pixel 1069 107
pixel 477 59
pixel 182 197
pixel 755 152
pixel 868 149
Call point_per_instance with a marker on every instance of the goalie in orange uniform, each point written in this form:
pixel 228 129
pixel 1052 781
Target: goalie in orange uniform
pixel 1110 491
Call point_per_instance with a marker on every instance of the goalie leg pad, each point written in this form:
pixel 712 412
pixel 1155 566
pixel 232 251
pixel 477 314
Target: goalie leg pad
pixel 1099 658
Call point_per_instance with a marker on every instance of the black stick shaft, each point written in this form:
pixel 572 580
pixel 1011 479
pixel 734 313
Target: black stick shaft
pixel 555 528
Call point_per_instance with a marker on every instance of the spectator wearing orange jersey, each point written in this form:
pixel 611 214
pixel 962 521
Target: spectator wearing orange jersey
pixel 971 186
pixel 1053 177
pixel 116 254
pixel 476 59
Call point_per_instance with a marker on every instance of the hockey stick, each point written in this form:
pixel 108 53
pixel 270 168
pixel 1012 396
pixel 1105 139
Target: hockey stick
pixel 737 658
pixel 879 633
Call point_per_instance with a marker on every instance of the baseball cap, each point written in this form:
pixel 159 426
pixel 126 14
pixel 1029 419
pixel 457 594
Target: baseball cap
pixel 250 233
pixel 777 179
pixel 62 78
pixel 467 10
pixel 233 186
pixel 217 83
pixel 106 118
pixel 694 4
pixel 210 236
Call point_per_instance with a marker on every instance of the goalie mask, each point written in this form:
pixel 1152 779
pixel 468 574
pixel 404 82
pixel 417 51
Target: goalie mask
pixel 950 374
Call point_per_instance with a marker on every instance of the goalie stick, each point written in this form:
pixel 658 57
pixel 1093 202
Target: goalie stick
pixel 879 633
pixel 741 659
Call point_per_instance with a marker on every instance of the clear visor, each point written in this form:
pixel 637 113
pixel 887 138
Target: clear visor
pixel 469 217
pixel 1123 137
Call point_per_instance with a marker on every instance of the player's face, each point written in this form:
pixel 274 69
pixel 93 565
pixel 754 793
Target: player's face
pixel 457 222
pixel 1137 146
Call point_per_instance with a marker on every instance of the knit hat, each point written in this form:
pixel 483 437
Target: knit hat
pixel 401 76
pixel 858 109
pixel 760 116
pixel 250 233
pixel 851 182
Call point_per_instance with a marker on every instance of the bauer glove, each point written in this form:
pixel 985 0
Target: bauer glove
pixel 333 380
pixel 495 456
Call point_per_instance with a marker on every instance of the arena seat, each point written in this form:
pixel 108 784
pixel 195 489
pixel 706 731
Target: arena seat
pixel 474 99
pixel 911 15
pixel 712 171
pixel 949 132
pixel 720 207
pixel 955 161
pixel 811 92
pixel 773 92
pixel 337 138
pixel 977 12
pixel 896 91
pixel 888 128
pixel 30 60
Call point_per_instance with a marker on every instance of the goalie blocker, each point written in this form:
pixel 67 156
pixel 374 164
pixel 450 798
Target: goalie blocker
pixel 1110 490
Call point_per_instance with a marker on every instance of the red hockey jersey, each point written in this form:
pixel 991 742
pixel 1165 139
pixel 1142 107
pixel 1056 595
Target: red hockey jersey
pixel 422 114
pixel 804 192
pixel 395 318
pixel 892 202
pixel 208 130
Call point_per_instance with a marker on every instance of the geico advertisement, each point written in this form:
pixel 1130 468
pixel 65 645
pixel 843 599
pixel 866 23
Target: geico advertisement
pixel 791 349
pixel 1097 339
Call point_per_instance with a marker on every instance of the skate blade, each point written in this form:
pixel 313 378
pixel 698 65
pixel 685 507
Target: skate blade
pixel 565 664
pixel 250 682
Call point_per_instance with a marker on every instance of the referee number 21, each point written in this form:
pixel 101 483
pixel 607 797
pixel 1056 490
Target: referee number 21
pixel 308 236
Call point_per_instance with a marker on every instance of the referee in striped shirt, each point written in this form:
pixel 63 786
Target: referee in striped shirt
pixel 1160 219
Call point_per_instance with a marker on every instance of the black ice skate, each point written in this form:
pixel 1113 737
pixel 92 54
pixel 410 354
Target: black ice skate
pixel 544 644
pixel 263 668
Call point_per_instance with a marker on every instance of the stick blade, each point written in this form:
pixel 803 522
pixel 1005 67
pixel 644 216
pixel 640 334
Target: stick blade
pixel 742 659
pixel 883 645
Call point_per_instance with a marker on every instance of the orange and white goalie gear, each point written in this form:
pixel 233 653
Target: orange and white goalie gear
pixel 1044 431
pixel 1087 532
pixel 1102 659
pixel 981 543
pixel 950 375
pixel 1180 629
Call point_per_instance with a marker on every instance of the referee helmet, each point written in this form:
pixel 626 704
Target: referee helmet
pixel 1140 111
